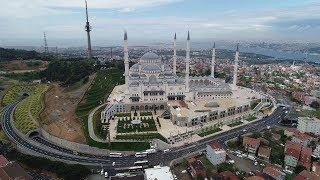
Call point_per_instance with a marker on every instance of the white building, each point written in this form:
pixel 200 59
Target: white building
pixel 215 153
pixel 307 124
pixel 316 152
pixel 151 84
pixel 158 173
pixel 152 80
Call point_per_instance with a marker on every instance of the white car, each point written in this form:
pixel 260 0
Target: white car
pixel 231 161
pixel 244 130
pixel 105 174
pixel 268 127
pixel 166 150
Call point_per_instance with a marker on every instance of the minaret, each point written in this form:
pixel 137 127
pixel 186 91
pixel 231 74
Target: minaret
pixel 213 61
pixel 88 29
pixel 235 71
pixel 175 54
pixel 188 62
pixel 126 59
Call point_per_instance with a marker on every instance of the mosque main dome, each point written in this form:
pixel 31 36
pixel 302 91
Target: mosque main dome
pixel 150 63
pixel 150 57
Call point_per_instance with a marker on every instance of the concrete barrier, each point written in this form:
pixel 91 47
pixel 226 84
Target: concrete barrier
pixel 82 148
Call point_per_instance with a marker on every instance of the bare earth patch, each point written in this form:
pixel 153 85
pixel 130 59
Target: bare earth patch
pixel 59 118
pixel 18 66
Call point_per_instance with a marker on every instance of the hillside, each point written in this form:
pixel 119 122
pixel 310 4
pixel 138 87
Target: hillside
pixel 17 54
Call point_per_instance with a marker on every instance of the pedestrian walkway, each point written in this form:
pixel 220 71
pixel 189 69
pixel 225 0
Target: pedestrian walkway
pixel 90 125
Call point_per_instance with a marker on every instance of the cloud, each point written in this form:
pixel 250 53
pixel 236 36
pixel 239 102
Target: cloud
pixel 31 8
pixel 29 17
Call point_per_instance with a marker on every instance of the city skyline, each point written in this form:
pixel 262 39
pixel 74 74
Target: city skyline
pixel 23 22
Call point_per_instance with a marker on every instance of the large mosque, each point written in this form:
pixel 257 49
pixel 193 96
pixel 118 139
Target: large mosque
pixel 152 84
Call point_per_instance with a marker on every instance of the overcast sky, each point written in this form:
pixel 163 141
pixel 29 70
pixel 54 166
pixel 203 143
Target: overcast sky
pixel 22 22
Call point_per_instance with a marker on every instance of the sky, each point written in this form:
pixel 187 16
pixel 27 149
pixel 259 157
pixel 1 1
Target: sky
pixel 22 22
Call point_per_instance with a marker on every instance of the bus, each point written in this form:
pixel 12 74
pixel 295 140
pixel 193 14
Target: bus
pixel 141 154
pixel 150 151
pixel 115 154
pixel 143 163
pixel 129 169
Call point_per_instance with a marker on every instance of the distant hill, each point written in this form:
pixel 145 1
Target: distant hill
pixel 17 54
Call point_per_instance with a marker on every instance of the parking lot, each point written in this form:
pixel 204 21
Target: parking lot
pixel 244 163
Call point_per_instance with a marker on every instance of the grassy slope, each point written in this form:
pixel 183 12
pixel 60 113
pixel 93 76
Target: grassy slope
pixel 27 112
pixel 100 88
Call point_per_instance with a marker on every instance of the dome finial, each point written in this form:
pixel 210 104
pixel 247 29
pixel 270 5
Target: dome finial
pixel 188 36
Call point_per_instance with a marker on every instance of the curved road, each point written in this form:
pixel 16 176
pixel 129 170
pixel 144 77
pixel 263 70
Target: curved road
pixel 48 149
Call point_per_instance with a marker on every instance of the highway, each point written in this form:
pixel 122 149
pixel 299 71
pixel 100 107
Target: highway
pixel 48 149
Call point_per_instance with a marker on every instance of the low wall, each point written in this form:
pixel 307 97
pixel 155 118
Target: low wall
pixel 83 148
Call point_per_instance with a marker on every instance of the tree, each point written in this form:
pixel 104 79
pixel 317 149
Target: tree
pixel 315 104
pixel 256 135
pixel 226 167
pixel 68 72
pixel 313 144
pixel 288 177
pixel 299 169
pixel 277 154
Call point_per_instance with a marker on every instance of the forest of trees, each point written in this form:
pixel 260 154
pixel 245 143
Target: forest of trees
pixel 68 72
pixel 17 54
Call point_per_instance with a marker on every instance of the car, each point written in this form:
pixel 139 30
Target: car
pixel 166 150
pixel 106 174
pixel 255 163
pixel 268 127
pixel 244 130
pixel 231 161
pixel 102 172
pixel 114 163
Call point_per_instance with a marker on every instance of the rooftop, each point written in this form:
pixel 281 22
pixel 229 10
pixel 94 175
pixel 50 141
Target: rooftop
pixel 305 157
pixel 306 175
pixel 158 173
pixel 228 175
pixel 292 130
pixel 273 172
pixel 265 152
pixel 3 161
pixel 254 178
pixel 216 146
pixel 251 141
pixel 302 136
pixel 200 106
pixel 292 149
pixel 14 171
